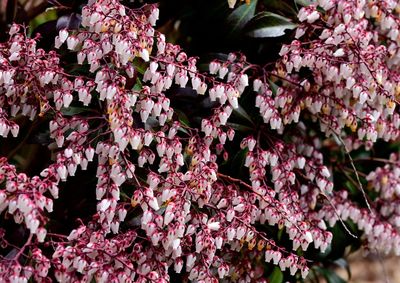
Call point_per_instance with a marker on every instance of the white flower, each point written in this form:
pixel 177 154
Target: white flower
pixel 63 35
pixel 190 260
pixel 168 217
pixel 154 204
pixel 72 42
pixel 41 234
pixel 339 52
pixel 231 3
pixel 14 130
pixel 308 237
pixel 313 17
pixel 257 85
pixel 214 67
pixel 62 172
pixel 214 226
pixel 178 265
pixel 144 53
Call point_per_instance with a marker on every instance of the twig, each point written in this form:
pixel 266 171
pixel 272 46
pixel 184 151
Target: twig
pixel 338 216
pixel 21 251
pixel 229 178
pixel 360 186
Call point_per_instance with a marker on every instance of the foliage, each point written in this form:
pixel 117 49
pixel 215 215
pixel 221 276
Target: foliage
pixel 160 166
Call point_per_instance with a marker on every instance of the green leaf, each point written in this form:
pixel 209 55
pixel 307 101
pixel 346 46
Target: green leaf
pixel 274 87
pixel 267 24
pixel 282 7
pixel 138 85
pixel 280 234
pixel 238 162
pixel 330 275
pixel 341 262
pixel 48 15
pixel 240 112
pixel 351 187
pixel 73 110
pixel 303 2
pixel 183 119
pixel 139 65
pixel 276 276
pixel 241 16
pixel 240 127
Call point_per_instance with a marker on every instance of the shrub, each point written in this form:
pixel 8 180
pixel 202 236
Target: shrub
pixel 158 169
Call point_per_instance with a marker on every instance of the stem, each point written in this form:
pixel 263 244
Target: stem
pixel 229 178
pixel 338 215
pixel 20 252
pixel 360 186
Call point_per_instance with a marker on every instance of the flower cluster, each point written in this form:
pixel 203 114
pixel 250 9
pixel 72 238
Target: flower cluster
pixel 353 59
pixel 183 215
pixel 385 181
pixel 29 79
pixel 379 231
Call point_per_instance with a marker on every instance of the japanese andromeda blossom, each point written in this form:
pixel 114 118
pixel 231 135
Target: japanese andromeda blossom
pixel 185 216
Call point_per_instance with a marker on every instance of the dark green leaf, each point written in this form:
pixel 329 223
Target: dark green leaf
pixel 267 24
pixel 183 119
pixel 280 234
pixel 139 65
pixel 239 127
pixel 240 112
pixel 10 7
pixel 330 275
pixel 238 162
pixel 71 111
pixel 138 85
pixel 42 138
pixel 276 276
pixel 341 262
pixel 283 7
pixel 48 15
pixel 351 187
pixel 241 16
pixel 274 87
pixel 303 2
pixel 69 21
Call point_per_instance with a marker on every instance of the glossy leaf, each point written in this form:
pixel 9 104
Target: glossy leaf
pixel 240 112
pixel 240 127
pixel 73 110
pixel 183 119
pixel 282 7
pixel 241 16
pixel 276 276
pixel 70 21
pixel 267 24
pixel 342 263
pixel 303 2
pixel 274 87
pixel 47 16
pixel 138 85
pixel 330 276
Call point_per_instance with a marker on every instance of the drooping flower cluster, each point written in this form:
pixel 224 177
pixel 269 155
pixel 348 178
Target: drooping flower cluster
pixel 184 213
pixel 351 51
pixel 385 181
pixel 379 233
